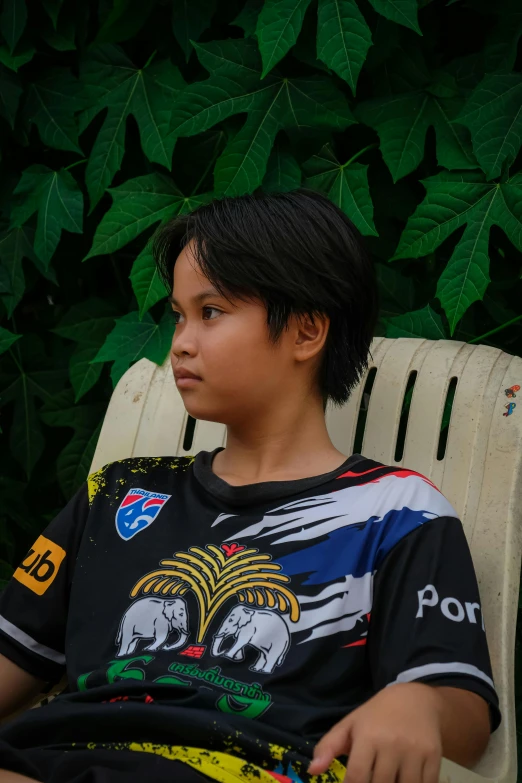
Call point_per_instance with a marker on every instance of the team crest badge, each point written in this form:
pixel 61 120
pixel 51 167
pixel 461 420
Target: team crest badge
pixel 138 509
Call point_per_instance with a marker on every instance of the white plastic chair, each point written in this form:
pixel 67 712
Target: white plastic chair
pixel 479 473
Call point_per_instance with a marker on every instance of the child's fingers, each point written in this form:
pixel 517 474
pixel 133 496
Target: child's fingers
pixel 335 743
pixel 386 767
pixel 360 763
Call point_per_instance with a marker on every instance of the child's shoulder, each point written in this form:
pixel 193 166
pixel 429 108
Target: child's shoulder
pixel 125 470
pixel 390 489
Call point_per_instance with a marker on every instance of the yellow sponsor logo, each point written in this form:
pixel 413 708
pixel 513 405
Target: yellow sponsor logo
pixel 41 565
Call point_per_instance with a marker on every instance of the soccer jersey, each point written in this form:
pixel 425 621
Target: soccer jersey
pixel 215 624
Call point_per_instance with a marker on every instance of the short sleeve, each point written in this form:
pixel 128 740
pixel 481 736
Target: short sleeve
pixel 34 603
pixel 426 622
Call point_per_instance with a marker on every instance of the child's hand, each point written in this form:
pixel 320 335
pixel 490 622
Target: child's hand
pixel 395 737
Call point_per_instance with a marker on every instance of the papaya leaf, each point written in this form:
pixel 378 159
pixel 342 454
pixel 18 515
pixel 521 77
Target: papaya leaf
pixel 278 26
pixel 53 9
pixel 417 323
pixel 51 105
pixel 12 21
pixel 74 461
pixel 247 17
pixel 453 200
pixel 146 282
pixel 189 19
pixel 271 104
pixel 345 184
pixel 493 113
pixel 15 61
pixel 402 122
pixel 56 197
pixel 30 377
pixel 133 338
pixel 282 172
pixel 343 38
pixel 7 339
pixel 138 204
pixel 114 85
pixel 88 324
pixel 10 92
pixel 401 11
pixel 16 244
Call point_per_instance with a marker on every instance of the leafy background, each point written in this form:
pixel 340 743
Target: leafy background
pixel 116 115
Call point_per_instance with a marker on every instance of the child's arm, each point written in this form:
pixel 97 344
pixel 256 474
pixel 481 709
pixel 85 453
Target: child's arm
pixel 427 651
pixel 18 688
pixel 402 733
pixel 34 609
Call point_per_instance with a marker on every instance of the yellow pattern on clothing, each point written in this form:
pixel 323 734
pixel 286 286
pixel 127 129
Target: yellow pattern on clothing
pixel 97 481
pixel 229 769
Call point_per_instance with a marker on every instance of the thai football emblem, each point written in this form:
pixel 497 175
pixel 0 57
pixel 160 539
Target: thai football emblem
pixel 138 509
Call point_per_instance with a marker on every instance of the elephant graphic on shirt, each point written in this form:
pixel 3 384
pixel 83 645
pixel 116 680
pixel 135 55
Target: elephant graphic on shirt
pixel 156 619
pixel 260 628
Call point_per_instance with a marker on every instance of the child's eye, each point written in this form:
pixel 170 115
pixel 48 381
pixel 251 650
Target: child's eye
pixel 212 308
pixel 175 314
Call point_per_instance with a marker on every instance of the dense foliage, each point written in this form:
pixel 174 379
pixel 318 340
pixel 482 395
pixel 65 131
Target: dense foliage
pixel 116 115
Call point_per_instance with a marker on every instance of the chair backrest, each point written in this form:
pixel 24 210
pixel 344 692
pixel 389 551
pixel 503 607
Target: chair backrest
pixel 479 472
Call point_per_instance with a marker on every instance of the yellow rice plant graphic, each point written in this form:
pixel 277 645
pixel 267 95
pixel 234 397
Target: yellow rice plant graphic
pixel 214 578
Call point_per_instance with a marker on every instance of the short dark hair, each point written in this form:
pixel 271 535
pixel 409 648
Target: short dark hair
pixel 298 253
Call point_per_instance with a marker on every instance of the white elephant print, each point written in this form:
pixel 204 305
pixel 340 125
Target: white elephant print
pixel 153 618
pixel 262 629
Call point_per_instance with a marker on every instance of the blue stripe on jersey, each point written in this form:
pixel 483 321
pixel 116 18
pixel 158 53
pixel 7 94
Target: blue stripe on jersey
pixel 354 549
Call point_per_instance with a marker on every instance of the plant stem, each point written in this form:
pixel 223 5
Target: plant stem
pixel 497 329
pixel 83 160
pixel 358 154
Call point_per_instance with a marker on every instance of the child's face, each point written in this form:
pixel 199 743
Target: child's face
pixel 243 374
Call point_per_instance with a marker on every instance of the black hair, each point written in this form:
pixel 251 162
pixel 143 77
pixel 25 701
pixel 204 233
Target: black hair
pixel 298 253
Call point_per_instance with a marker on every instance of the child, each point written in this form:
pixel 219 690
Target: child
pixel 269 610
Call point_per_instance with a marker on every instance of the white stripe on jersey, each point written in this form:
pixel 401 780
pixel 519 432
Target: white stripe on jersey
pixel 27 641
pixel 442 668
pixel 319 515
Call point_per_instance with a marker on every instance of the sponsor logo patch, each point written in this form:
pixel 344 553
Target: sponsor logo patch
pixel 40 567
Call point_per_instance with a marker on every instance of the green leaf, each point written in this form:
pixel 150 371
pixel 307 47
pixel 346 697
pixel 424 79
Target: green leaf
pixel 16 244
pixel 397 292
pixel 32 377
pixel 124 21
pixel 74 461
pixel 51 105
pixel 401 11
pixel 146 283
pixel 343 38
pixel 15 61
pixel 7 339
pixel 454 200
pixel 282 172
pixel 274 103
pixel 278 26
pixel 58 200
pixel 418 323
pixel 189 19
pixel 12 21
pixel 247 18
pixel 493 114
pixel 62 37
pixel 88 324
pixel 345 184
pixel 134 338
pixel 402 122
pixel 138 204
pixel 10 92
pixel 114 84
pixel 53 9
